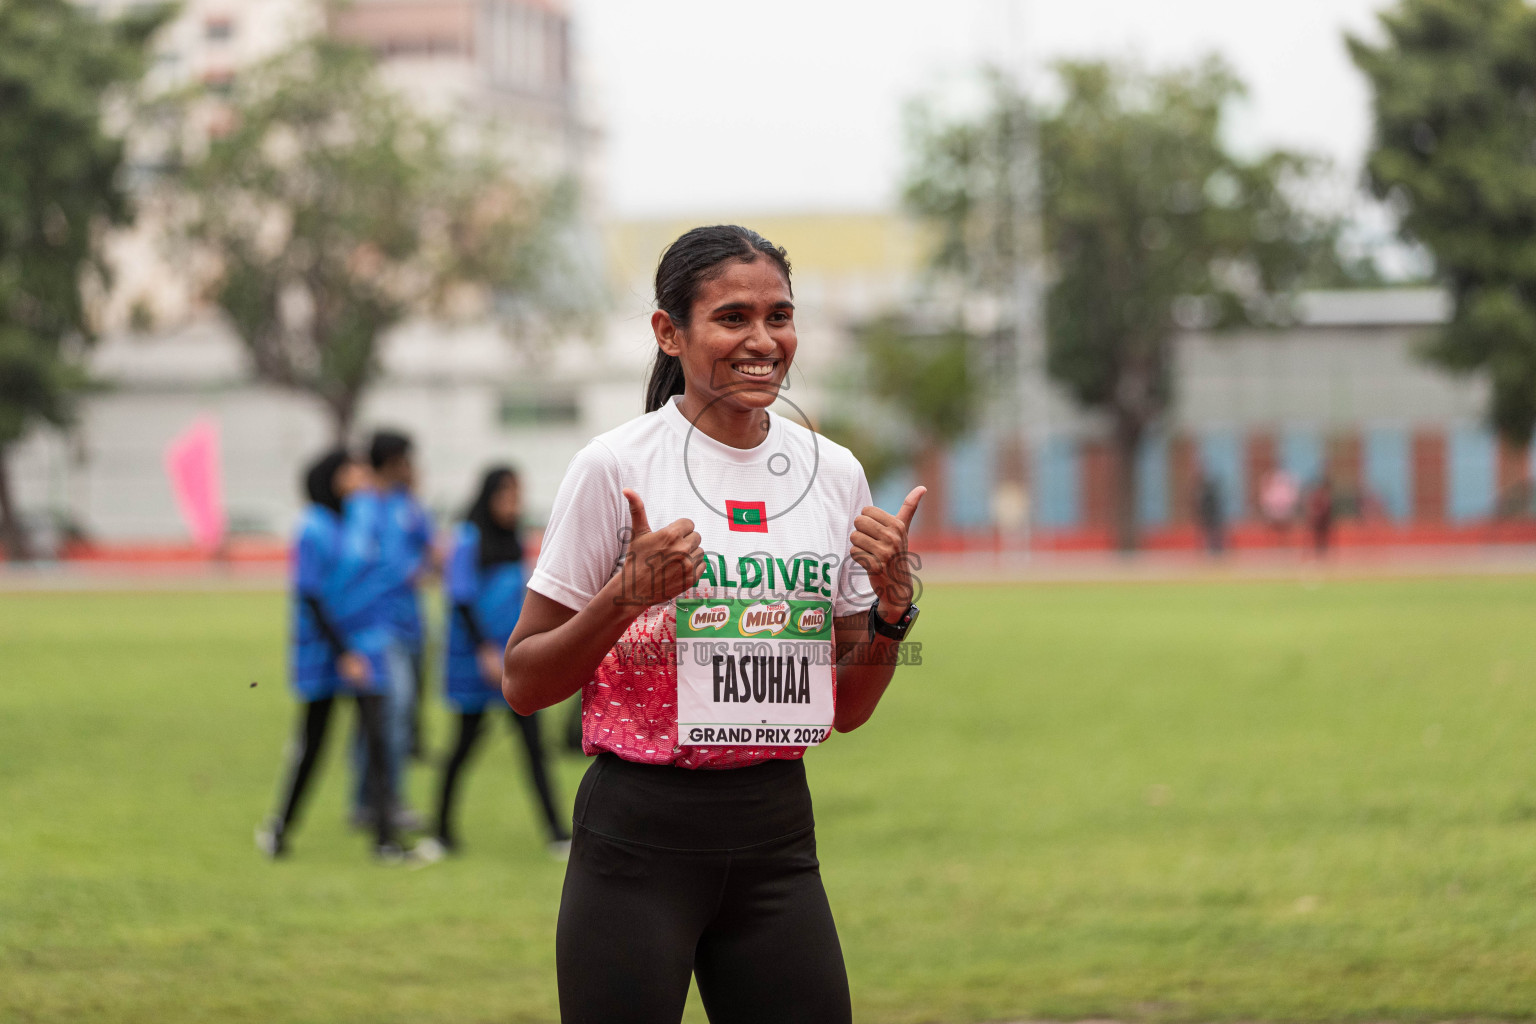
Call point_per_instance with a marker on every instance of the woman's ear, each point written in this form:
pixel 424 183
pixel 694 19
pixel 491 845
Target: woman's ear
pixel 667 334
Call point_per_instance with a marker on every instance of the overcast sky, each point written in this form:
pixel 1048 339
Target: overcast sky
pixel 714 106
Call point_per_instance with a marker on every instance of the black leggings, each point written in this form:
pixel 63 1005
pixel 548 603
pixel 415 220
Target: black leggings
pixel 712 873
pixel 305 751
pixel 533 747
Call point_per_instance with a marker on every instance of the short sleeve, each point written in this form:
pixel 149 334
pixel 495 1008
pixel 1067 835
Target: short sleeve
pixel 853 593
pixel 461 576
pixel 587 529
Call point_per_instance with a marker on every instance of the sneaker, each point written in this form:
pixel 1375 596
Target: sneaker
pixel 429 851
pixel 270 840
pixel 559 849
pixel 390 853
pixel 448 844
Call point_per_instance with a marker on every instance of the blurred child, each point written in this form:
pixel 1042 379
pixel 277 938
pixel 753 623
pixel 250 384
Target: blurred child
pixel 407 546
pixel 1320 510
pixel 485 581
pixel 1278 497
pixel 1211 515
pixel 405 556
pixel 338 643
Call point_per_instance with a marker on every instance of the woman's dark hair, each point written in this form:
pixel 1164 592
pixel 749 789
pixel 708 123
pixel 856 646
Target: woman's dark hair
pixel 387 446
pixel 497 543
pixel 320 478
pixel 689 263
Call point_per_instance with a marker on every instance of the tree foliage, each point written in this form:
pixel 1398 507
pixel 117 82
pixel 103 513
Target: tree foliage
pixel 60 188
pixel 333 211
pixel 926 372
pixel 924 375
pixel 1455 153
pixel 1149 224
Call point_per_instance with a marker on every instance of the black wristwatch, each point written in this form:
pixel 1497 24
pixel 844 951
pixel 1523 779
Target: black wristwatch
pixel 892 630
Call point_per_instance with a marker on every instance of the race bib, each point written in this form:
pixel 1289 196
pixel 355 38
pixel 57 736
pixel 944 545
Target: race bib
pixel 753 672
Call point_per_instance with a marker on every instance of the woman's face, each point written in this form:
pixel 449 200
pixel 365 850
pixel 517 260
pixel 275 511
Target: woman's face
pixel 740 338
pixel 352 477
pixel 507 503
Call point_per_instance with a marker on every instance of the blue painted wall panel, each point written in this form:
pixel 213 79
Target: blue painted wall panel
pixel 1057 497
pixel 1152 470
pixel 1301 455
pixel 1389 469
pixel 1221 455
pixel 892 489
pixel 1472 476
pixel 968 491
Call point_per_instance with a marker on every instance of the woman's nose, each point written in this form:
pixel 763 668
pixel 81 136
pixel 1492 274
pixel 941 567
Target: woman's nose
pixel 759 341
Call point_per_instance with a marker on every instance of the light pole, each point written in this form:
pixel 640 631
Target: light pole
pixel 1025 416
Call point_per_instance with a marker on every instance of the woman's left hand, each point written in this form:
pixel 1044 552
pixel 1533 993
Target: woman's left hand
pixel 879 544
pixel 490 664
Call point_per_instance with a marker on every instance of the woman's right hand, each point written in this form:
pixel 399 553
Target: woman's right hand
pixel 354 669
pixel 555 649
pixel 490 658
pixel 665 563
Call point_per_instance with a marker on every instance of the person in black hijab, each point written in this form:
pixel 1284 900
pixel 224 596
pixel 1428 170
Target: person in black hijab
pixel 485 582
pixel 332 652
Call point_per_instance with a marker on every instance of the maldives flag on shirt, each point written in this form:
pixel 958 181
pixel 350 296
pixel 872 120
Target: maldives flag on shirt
pixel 747 516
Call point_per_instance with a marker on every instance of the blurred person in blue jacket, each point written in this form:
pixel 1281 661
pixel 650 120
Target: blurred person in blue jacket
pixel 405 556
pixel 339 642
pixel 408 548
pixel 485 583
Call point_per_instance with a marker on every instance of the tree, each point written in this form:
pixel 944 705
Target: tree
pixel 1455 154
pixel 332 212
pixel 1149 223
pixel 60 188
pixel 925 373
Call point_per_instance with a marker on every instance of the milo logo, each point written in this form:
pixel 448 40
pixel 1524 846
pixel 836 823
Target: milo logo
pixel 764 618
pixel 811 620
pixel 707 616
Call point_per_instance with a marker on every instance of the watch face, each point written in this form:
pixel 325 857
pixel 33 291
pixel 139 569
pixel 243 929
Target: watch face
pixel 894 630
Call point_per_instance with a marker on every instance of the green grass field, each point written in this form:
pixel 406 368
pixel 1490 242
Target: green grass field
pixel 1234 802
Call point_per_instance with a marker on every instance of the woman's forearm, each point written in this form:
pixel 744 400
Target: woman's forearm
pixel 545 667
pixel 860 687
pixel 864 670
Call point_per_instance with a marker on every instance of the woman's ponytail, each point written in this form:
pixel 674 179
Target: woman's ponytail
pixel 665 381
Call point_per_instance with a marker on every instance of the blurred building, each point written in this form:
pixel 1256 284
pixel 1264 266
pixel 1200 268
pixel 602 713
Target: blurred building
pixel 1341 394
pixel 505 65
pixel 165 358
pixel 468 395
pixel 509 62
pixel 1342 391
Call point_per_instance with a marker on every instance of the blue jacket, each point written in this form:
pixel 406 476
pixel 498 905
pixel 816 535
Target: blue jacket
pixel 335 562
pixel 493 595
pixel 405 546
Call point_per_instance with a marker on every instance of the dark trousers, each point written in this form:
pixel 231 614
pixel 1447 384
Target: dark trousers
pixel 538 772
pixel 706 873
pixel 304 752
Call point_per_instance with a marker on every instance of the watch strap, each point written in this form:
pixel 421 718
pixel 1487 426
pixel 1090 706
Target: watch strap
pixel 892 630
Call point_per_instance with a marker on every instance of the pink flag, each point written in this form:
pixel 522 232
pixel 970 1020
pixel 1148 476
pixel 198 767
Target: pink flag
pixel 192 463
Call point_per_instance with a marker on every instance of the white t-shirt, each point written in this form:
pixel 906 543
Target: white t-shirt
pixel 774 521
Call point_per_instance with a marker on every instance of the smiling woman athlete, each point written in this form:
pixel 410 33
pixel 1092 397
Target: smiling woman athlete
pixel 766 576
